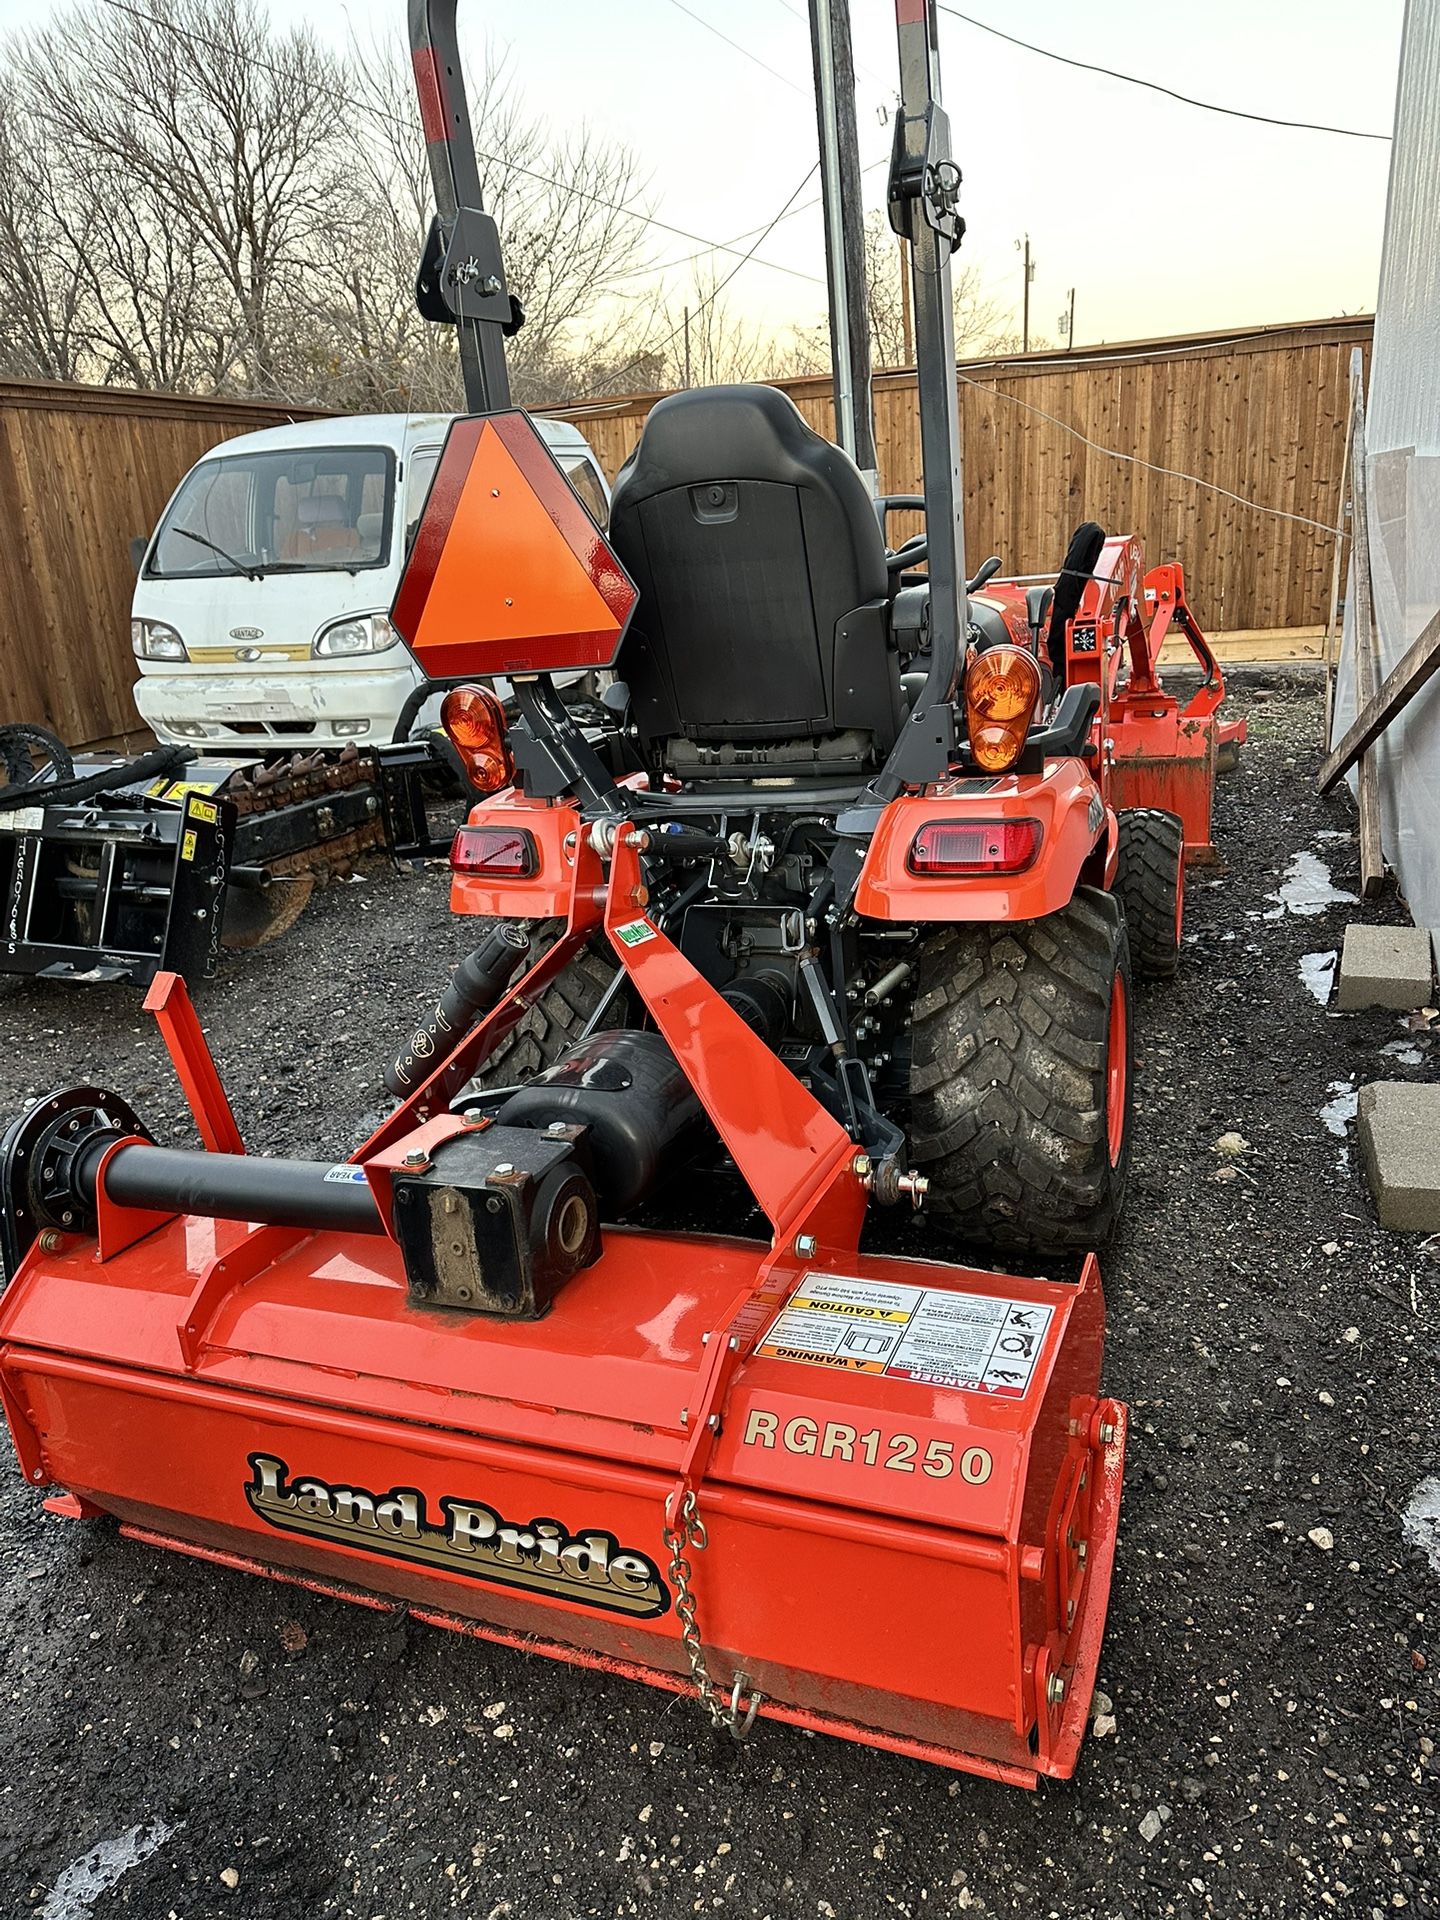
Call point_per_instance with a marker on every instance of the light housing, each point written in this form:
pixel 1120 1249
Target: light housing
pixel 1002 691
pixel 958 849
pixel 360 633
pixel 155 640
pixel 498 852
pixel 474 723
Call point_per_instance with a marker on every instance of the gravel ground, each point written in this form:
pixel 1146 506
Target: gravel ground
pixel 228 1746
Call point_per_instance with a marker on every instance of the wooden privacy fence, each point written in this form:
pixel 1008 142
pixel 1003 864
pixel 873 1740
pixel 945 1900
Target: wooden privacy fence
pixel 82 470
pixel 1260 414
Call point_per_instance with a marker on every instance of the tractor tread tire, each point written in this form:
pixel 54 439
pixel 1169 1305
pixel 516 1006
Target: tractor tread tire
pixel 1149 877
pixel 555 1020
pixel 1009 1078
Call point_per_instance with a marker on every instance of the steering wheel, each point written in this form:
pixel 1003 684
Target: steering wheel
pixel 917 548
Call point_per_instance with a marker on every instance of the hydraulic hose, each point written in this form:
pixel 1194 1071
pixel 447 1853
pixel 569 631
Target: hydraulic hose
pixel 149 766
pixel 474 987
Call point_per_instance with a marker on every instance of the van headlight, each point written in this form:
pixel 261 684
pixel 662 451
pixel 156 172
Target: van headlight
pixel 153 640
pixel 363 633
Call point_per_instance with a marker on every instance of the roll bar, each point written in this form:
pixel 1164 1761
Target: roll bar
pixel 462 274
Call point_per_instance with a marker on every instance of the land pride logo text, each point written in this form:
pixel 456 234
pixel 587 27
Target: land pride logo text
pixel 588 1567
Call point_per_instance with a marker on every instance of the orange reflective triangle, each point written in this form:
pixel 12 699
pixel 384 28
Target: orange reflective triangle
pixel 508 573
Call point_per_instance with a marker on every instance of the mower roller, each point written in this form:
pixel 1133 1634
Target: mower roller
pixel 832 919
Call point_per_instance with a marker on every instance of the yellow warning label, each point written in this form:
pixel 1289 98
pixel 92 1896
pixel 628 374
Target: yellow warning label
pixel 852 1309
pixel 165 789
pixel 205 810
pixel 187 845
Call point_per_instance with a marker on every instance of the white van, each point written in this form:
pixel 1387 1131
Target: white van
pixel 260 616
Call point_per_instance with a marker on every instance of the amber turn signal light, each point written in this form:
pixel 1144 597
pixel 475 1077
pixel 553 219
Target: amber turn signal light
pixel 1002 690
pixel 474 724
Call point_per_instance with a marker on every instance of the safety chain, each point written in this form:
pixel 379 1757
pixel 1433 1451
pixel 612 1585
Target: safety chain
pixel 726 1716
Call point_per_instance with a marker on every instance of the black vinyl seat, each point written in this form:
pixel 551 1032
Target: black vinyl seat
pixel 762 634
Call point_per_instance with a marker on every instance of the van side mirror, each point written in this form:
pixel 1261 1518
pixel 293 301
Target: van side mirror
pixel 138 543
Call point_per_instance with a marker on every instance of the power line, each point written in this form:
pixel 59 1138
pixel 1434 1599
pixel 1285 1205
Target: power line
pixel 736 239
pixel 1134 460
pixel 530 173
pixel 1130 79
pixel 715 292
pixel 739 47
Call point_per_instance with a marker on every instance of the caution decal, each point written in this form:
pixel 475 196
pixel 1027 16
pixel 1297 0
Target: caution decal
pixel 930 1336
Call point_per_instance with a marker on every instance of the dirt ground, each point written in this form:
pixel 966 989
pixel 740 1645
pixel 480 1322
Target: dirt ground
pixel 252 1750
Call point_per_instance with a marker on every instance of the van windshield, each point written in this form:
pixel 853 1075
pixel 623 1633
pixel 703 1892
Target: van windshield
pixel 323 510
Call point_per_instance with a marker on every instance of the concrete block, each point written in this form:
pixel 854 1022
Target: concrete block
pixel 1384 967
pixel 1400 1142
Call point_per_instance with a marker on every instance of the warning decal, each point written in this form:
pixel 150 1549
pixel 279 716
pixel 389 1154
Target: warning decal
pixel 933 1338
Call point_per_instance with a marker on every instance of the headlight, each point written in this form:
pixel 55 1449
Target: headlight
pixel 366 633
pixel 153 640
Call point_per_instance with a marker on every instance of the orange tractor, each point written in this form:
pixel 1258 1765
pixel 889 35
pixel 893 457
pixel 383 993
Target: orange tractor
pixel 842 910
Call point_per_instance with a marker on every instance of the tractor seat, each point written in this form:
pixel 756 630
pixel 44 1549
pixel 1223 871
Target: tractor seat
pixel 761 642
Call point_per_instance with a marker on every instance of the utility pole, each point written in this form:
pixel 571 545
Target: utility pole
pixel 844 228
pixel 687 346
pixel 1029 276
pixel 1067 320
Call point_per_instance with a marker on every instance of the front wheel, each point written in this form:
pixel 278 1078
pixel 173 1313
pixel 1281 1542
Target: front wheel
pixel 1150 885
pixel 1021 1106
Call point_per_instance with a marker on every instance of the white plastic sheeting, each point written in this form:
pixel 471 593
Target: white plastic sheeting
pixel 1403 469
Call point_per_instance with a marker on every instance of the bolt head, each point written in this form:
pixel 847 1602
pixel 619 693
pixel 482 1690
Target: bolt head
pixel 805 1245
pixel 474 1116
pixel 1107 1433
pixel 1055 1689
pixel 417 1157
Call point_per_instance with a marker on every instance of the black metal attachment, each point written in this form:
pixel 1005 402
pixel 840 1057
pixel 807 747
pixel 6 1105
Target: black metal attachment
pixel 113 892
pixel 496 1220
pixel 47 1165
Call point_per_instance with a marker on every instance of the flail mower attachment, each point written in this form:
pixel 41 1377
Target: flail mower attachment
pixel 871 1496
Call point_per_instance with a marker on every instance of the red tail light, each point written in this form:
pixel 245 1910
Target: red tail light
pixel 475 722
pixel 499 852
pixel 952 848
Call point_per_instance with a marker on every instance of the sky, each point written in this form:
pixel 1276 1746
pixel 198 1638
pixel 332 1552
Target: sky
pixel 1164 219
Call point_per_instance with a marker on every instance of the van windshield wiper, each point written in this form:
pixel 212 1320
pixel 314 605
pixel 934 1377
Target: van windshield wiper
pixel 250 571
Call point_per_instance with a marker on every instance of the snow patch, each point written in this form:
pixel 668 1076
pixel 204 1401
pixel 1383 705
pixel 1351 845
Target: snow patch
pixel 1306 889
pixel 1340 1109
pixel 95 1872
pixel 1420 1522
pixel 1405 1052
pixel 1317 972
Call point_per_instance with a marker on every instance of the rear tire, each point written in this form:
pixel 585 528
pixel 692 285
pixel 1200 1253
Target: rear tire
pixel 1150 885
pixel 557 1018
pixel 1020 1077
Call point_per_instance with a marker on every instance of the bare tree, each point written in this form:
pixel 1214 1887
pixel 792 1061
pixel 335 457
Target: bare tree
pixel 221 137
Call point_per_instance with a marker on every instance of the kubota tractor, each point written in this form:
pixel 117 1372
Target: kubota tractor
pixel 849 899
